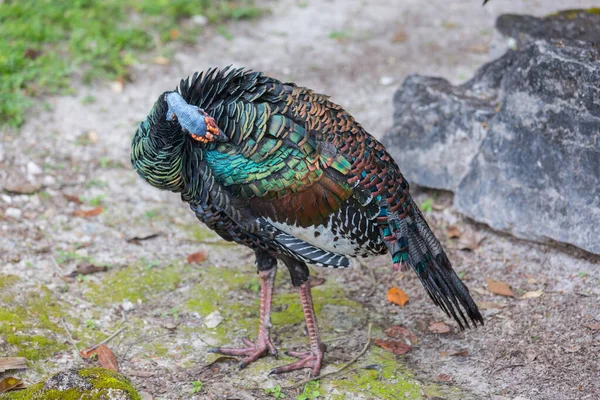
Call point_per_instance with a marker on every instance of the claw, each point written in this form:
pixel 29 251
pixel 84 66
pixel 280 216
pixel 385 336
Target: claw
pixel 307 359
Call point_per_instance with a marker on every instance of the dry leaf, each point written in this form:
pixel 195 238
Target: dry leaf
pixel 571 349
pixel 399 37
pixel 161 60
pixel 117 86
pixel 594 327
pixel 393 346
pixel 197 257
pixel 533 294
pixel 444 378
pixel 397 296
pixel 7 363
pixel 106 358
pixel 399 332
pixel 10 383
pixel 480 291
pixel 453 232
pixel 174 34
pixel 487 305
pixel 86 268
pixel 469 241
pixel 438 327
pixel 88 213
pixel 459 353
pixel 314 281
pixel 74 199
pixel 24 188
pixel 478 49
pixel 500 288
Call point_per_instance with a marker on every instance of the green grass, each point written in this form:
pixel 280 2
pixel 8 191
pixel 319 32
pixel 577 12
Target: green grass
pixel 44 43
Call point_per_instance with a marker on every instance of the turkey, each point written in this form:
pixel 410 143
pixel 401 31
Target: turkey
pixel 285 171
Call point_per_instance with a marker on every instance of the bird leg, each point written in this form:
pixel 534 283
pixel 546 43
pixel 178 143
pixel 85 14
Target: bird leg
pixel 312 358
pixel 263 344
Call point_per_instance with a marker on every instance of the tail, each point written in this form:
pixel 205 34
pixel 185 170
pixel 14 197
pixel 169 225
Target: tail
pixel 418 247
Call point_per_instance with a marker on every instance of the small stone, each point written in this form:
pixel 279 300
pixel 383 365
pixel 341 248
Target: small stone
pixel 213 319
pixel 14 213
pixel 6 198
pixel 33 168
pixel 386 80
pixel 48 180
pixel 200 20
pixel 127 305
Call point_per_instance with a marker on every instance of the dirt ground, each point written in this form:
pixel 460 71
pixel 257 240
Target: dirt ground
pixel 357 51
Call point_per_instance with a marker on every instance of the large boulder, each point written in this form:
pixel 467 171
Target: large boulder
pixel 519 143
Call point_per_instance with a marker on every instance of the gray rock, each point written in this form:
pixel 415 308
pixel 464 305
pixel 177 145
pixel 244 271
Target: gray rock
pixel 537 174
pixel 570 25
pixel 519 143
pixel 438 128
pixel 14 213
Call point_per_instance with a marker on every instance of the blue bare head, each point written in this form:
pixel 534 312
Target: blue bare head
pixel 193 120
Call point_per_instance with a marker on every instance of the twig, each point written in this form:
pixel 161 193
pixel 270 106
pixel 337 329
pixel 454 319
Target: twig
pixel 108 339
pixel 507 367
pixel 66 328
pixel 359 355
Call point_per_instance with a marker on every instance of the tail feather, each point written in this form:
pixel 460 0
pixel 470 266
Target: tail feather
pixel 427 258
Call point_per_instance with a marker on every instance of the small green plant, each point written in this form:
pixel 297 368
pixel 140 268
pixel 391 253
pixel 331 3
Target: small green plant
pixel 89 99
pixel 152 213
pixel 427 206
pixel 339 35
pixel 582 274
pixel 311 391
pixel 253 286
pixel 197 386
pixel 275 392
pixel 90 324
pixel 95 201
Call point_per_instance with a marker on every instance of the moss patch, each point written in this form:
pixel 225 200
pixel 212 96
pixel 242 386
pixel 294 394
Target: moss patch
pixel 391 382
pixel 139 281
pixel 87 383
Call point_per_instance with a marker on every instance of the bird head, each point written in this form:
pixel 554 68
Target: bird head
pixel 192 120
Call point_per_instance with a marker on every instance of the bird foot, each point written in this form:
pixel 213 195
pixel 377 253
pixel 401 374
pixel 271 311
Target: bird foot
pixel 253 352
pixel 307 359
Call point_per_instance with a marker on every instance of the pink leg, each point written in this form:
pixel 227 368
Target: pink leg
pixel 312 358
pixel 263 343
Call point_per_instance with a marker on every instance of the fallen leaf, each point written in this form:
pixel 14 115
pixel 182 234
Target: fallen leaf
pixel 397 296
pixel 314 281
pixel 399 332
pixel 10 383
pixel 32 54
pixel 7 363
pixel 399 36
pixel 74 199
pixel 571 349
pixel 500 288
pixel 487 305
pixel 469 241
pixel 197 257
pixel 594 327
pixel 459 353
pixel 533 294
pixel 444 378
pixel 393 346
pixel 88 213
pixel 107 358
pixel 23 188
pixel 161 60
pixel 174 34
pixel 453 232
pixel 86 268
pixel 117 86
pixel 438 327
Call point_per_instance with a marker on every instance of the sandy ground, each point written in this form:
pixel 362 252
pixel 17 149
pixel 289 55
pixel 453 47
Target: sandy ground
pixel 358 52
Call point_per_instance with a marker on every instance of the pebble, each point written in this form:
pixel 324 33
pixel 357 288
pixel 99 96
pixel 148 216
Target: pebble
pixel 213 319
pixel 386 80
pixel 33 168
pixel 49 180
pixel 6 198
pixel 14 213
pixel 127 305
pixel 200 20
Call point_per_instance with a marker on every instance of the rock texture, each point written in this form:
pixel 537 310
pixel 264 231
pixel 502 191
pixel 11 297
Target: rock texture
pixel 571 25
pixel 519 143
